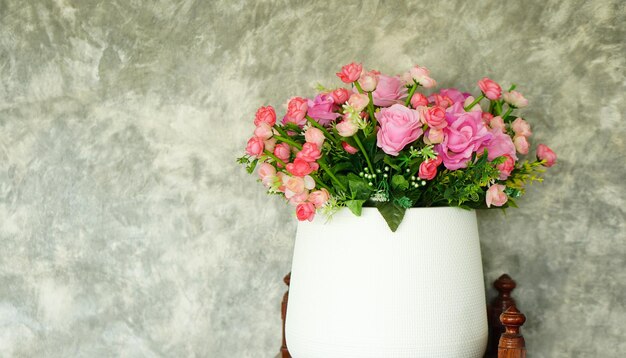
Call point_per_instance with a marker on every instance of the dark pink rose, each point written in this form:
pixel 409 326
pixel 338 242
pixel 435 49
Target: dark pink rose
pixel 305 211
pixel 428 168
pixel 435 117
pixel 419 100
pixel 389 90
pixel 282 151
pixel 348 148
pixel 491 89
pixel 301 167
pixel 340 95
pixel 266 115
pixel 545 153
pixel 322 109
pixel 399 126
pixel 296 111
pixel 350 72
pixel 309 152
pixel 464 135
pixel 500 144
pixel 255 146
pixel 506 168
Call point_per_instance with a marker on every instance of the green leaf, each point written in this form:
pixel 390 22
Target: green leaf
pixel 339 167
pixel 355 206
pixel 399 182
pixel 358 187
pixel 388 161
pixel 392 213
pixel 251 166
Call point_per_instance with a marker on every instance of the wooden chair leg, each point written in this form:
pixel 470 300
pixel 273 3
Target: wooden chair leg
pixel 512 344
pixel 284 352
pixel 504 285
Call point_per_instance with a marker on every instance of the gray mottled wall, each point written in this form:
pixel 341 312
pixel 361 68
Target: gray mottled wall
pixel 126 229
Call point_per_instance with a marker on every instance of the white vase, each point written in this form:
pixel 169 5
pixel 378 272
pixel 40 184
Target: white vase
pixel 359 290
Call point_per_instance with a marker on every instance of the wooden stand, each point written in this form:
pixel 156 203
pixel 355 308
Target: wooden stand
pixel 284 353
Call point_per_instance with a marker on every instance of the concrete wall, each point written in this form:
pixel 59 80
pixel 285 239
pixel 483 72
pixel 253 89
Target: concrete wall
pixel 127 229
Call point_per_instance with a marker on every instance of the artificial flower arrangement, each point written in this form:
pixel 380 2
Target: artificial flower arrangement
pixel 383 143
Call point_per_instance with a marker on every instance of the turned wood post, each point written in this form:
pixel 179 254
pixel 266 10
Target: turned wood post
pixel 284 352
pixel 504 285
pixel 512 344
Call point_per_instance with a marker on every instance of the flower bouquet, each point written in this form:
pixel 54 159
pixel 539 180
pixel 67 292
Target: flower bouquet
pixel 384 143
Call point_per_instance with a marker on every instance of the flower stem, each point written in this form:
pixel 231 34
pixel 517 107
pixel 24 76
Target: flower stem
pixel 370 108
pixel 288 141
pixel 498 108
pixel 411 93
pixel 267 152
pixel 324 130
pixel 475 102
pixel 506 114
pixel 358 87
pixel 358 142
pixel 322 164
pixel 319 182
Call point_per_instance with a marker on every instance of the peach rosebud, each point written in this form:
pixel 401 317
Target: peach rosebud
pixel 294 186
pixel 521 144
pixel 309 152
pixel 305 211
pixel 490 88
pixel 314 135
pixel 358 101
pixel 266 115
pixel 282 152
pixel 369 80
pixel 521 127
pixel 319 198
pixel 515 99
pixel 350 72
pixel 545 153
pixel 421 75
pixel 506 167
pixel 348 148
pixel 433 136
pixel 255 146
pixel 428 168
pixel 435 117
pixel 298 198
pixel 270 144
pixel 419 100
pixel 267 173
pixel 496 195
pixel 264 131
pixel 497 122
pixel 340 95
pixel 346 128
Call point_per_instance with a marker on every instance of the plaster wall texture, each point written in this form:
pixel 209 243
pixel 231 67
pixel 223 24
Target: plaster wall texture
pixel 127 229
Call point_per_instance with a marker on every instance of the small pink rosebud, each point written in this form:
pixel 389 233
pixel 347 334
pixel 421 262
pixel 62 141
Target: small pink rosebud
pixel 350 72
pixel 496 196
pixel 506 167
pixel 340 95
pixel 435 117
pixel 515 99
pixel 521 144
pixel 497 122
pixel 319 198
pixel 421 75
pixel 521 127
pixel 255 146
pixel 433 136
pixel 348 148
pixel 358 101
pixel 346 128
pixel 419 100
pixel 369 80
pixel 282 151
pixel 264 131
pixel 545 153
pixel 309 152
pixel 296 111
pixel 490 88
pixel 265 114
pixel 314 135
pixel 428 168
pixel 305 211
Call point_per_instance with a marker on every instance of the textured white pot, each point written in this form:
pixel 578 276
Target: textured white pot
pixel 360 291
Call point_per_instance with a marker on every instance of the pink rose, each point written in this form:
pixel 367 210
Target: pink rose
pixel 255 146
pixel 419 100
pixel 433 136
pixel 506 168
pixel 521 144
pixel 300 167
pixel 348 148
pixel 267 173
pixel 369 80
pixel 428 168
pixel 420 75
pixel 399 126
pixel 309 152
pixel 270 144
pixel 350 72
pixel 515 99
pixel 545 153
pixel 500 144
pixel 298 198
pixel 265 114
pixel 305 211
pixel 435 117
pixel 486 116
pixel 496 196
pixel 464 135
pixel 521 127
pixel 322 109
pixel 319 198
pixel 358 101
pixel 282 151
pixel 497 123
pixel 264 131
pixel 340 95
pixel 491 89
pixel 446 97
pixel 441 101
pixel 390 90
pixel 282 179
pixel 314 135
pixel 297 185
pixel 346 128
pixel 296 111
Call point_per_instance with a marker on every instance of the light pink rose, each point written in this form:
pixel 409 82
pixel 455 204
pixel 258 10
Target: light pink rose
pixel 521 127
pixel 390 90
pixel 491 89
pixel 464 135
pixel 282 151
pixel 305 211
pixel 496 196
pixel 282 179
pixel 322 109
pixel 293 186
pixel 515 99
pixel 506 167
pixel 500 144
pixel 319 198
pixel 264 131
pixel 420 75
pixel 419 100
pixel 433 136
pixel 428 168
pixel 300 167
pixel 314 135
pixel 399 126
pixel 340 95
pixel 298 198
pixel 255 146
pixel 270 144
pixel 350 72
pixel 497 123
pixel 265 114
pixel 521 144
pixel 346 128
pixel 348 148
pixel 310 152
pixel 545 153
pixel 369 80
pixel 358 101
pixel 296 111
pixel 435 117
pixel 267 173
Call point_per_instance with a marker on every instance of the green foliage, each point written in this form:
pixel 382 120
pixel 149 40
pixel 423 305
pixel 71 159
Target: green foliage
pixel 526 173
pixel 399 182
pixel 355 206
pixel 392 213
